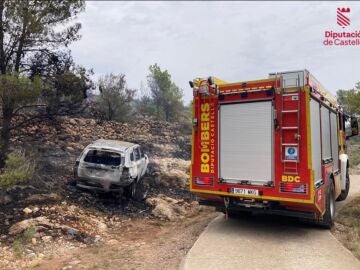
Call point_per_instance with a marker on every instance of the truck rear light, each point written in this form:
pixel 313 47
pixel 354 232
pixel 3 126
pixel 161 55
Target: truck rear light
pixel 204 181
pixel 293 188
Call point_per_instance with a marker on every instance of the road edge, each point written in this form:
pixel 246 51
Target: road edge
pixel 183 260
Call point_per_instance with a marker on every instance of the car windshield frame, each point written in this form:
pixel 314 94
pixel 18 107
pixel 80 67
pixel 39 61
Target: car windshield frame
pixel 105 160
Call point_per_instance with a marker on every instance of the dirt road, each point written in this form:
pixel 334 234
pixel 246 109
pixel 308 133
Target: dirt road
pixel 265 242
pixel 136 244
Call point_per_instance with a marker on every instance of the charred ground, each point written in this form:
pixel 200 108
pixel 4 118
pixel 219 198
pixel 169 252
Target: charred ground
pixel 41 217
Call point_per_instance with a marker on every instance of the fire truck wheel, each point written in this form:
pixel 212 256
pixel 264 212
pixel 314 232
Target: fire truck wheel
pixel 328 218
pixel 344 193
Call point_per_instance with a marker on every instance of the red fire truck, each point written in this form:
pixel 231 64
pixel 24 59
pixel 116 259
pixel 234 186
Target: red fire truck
pixel 276 145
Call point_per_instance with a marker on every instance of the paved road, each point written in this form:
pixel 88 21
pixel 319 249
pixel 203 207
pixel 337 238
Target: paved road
pixel 266 242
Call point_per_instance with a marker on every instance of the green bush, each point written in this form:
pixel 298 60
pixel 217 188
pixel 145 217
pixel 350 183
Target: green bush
pixel 18 168
pixel 22 240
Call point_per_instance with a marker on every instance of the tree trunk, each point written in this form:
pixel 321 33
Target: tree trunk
pixel 20 53
pixel 5 134
pixel 167 115
pixel 158 110
pixel 2 52
pixel 110 112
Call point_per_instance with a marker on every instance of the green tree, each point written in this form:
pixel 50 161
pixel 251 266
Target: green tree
pixel 172 102
pixel 159 82
pixel 185 119
pixel 166 96
pixel 115 97
pixel 350 99
pixel 65 84
pixel 144 104
pixel 16 93
pixel 29 29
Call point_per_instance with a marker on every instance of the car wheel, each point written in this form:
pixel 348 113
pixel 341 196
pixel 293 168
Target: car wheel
pixel 130 189
pixel 73 182
pixel 344 193
pixel 140 191
pixel 137 190
pixel 329 216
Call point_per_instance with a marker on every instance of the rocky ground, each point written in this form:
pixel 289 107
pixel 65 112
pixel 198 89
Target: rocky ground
pixel 49 224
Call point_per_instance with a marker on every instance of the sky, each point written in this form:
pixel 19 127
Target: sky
pixel 234 41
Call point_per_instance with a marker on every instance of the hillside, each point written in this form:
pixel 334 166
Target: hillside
pixel 43 216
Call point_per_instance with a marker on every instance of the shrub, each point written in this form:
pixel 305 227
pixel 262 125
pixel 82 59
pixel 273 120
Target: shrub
pixel 115 98
pixel 22 240
pixel 18 168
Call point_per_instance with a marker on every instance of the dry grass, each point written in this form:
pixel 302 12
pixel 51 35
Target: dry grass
pixel 22 240
pixel 354 154
pixel 18 168
pixel 347 228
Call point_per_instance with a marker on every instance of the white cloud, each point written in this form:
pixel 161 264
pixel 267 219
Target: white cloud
pixel 232 40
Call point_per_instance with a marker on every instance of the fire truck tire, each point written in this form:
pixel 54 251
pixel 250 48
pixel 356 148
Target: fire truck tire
pixel 344 193
pixel 329 216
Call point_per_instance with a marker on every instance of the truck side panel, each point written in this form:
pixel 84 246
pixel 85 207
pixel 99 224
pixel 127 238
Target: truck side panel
pixel 315 140
pixel 205 143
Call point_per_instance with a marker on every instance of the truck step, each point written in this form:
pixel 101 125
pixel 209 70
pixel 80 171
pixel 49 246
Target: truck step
pixel 290 111
pixel 295 93
pixel 291 172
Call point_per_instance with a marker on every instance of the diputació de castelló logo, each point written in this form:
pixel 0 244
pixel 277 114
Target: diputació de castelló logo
pixel 343 17
pixel 346 37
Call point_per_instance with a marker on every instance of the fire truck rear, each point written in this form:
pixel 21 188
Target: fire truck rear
pixel 274 146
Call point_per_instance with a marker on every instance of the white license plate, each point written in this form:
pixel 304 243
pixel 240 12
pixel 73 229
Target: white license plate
pixel 245 191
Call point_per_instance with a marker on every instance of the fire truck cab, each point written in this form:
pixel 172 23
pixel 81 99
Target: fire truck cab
pixel 276 145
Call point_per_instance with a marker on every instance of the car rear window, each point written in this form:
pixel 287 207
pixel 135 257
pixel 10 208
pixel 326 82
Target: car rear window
pixel 103 157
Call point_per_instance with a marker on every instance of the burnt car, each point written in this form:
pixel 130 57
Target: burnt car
pixel 111 165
